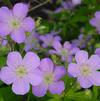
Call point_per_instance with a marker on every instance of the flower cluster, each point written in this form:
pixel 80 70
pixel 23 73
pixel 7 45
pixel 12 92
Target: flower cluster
pixel 29 70
pixel 41 72
pixel 51 78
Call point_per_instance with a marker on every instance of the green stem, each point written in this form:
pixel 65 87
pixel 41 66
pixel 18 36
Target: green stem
pixel 66 91
pixel 33 8
pixel 28 98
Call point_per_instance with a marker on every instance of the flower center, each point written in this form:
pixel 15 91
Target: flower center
pixel 49 43
pixel 34 40
pixel 85 70
pixel 64 52
pixel 15 23
pixel 21 71
pixel 48 78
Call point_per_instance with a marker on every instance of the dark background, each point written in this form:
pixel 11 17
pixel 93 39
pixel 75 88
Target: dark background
pixel 37 12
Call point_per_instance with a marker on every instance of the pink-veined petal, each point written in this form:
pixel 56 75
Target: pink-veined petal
pixel 20 87
pixel 40 90
pixel 31 60
pixel 73 70
pixel 14 59
pixel 81 57
pixel 57 87
pixel 7 75
pixel 59 72
pixel 20 10
pixel 84 82
pixel 46 65
pixel 28 24
pixel 18 35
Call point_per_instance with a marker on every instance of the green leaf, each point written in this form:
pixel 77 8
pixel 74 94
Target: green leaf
pixel 6 94
pixel 2 61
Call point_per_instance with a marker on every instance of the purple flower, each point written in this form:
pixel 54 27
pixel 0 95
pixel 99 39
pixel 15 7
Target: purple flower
pixel 68 5
pixel 51 78
pixel 64 5
pixel 76 2
pixel 15 23
pixel 32 42
pixel 82 41
pixel 97 51
pixel 86 70
pixel 49 39
pixel 66 51
pixel 95 22
pixel 3 41
pixel 21 72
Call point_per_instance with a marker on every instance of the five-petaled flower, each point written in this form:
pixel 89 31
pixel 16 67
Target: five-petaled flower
pixel 86 70
pixel 51 78
pixel 15 23
pixel 66 51
pixel 21 72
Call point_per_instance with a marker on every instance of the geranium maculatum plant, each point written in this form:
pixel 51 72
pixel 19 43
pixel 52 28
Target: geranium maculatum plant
pixel 49 50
